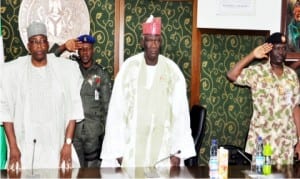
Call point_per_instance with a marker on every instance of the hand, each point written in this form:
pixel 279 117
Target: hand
pixel 72 45
pixel 14 162
pixel 175 161
pixel 66 156
pixel 65 173
pixel 297 150
pixel 262 50
pixel 14 173
pixel 174 172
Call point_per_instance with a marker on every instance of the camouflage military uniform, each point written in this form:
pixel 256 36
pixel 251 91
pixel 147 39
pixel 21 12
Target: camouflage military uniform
pixel 274 99
pixel 95 94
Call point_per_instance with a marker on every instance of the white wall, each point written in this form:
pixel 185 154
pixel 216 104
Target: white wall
pixel 266 16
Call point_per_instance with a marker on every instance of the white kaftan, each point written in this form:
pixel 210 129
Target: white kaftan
pixel 40 102
pixel 147 120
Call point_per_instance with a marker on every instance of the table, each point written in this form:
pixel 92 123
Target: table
pixel 235 171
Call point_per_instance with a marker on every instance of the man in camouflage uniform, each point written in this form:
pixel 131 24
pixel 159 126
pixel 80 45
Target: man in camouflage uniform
pixel 95 94
pixel 275 95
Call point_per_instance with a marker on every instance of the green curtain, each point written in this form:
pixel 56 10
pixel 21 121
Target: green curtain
pixel 3 149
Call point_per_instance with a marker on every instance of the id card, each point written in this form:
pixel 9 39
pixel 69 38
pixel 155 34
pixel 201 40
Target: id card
pixel 96 95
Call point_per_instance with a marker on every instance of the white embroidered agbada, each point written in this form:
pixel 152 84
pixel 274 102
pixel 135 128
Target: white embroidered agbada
pixel 148 117
pixel 40 102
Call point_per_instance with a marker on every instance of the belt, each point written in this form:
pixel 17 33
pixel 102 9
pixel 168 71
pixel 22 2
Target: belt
pixel 93 117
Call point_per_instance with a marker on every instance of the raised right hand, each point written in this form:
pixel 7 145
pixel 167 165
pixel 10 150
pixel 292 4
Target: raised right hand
pixel 72 45
pixel 262 51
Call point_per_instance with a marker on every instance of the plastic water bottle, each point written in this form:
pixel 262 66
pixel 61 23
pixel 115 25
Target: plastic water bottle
pixel 267 168
pixel 213 160
pixel 259 157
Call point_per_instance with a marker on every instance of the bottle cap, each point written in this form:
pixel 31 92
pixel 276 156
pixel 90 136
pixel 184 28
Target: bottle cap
pixel 214 141
pixel 259 138
pixel 267 150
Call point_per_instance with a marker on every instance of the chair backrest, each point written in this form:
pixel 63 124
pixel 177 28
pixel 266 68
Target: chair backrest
pixel 237 156
pixel 198 118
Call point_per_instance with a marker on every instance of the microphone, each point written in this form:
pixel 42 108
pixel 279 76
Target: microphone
pixel 32 175
pixel 34 142
pixel 165 158
pixel 242 154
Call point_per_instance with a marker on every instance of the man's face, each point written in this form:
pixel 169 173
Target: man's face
pixel 86 53
pixel 152 44
pixel 278 53
pixel 38 47
pixel 296 13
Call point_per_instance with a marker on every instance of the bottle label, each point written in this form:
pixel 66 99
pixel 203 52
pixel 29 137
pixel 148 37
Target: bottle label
pixel 213 164
pixel 213 167
pixel 259 160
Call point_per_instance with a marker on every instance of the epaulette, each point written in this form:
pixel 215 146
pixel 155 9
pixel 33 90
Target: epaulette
pixel 103 68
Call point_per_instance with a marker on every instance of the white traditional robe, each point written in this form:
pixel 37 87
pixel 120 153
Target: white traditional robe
pixel 40 102
pixel 148 117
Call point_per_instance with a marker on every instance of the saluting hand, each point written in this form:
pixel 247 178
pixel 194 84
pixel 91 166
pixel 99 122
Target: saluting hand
pixel 72 45
pixel 262 50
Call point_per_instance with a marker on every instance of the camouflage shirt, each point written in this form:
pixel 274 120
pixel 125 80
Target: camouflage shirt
pixel 274 98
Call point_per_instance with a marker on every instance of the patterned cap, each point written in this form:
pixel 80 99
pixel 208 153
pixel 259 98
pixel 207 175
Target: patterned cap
pixel 36 28
pixel 152 26
pixel 276 38
pixel 86 39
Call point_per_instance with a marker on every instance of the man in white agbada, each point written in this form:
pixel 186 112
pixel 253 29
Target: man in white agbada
pixel 39 105
pixel 148 115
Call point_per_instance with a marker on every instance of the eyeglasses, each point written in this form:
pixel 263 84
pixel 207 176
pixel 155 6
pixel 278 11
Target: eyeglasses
pixel 38 41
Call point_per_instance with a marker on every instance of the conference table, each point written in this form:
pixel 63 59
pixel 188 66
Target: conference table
pixel 234 171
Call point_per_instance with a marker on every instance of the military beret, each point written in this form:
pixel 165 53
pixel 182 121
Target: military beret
pixel 86 39
pixel 276 38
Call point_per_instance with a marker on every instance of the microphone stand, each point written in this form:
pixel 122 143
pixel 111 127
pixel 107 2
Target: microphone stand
pixel 32 161
pixel 151 171
pixel 242 154
pixel 169 156
pixel 34 142
pixel 32 175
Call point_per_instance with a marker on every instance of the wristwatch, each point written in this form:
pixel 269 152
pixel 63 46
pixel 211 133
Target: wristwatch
pixel 68 141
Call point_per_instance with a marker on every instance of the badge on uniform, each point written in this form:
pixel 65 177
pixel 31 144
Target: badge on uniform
pixel 95 81
pixel 96 95
pixel 288 97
